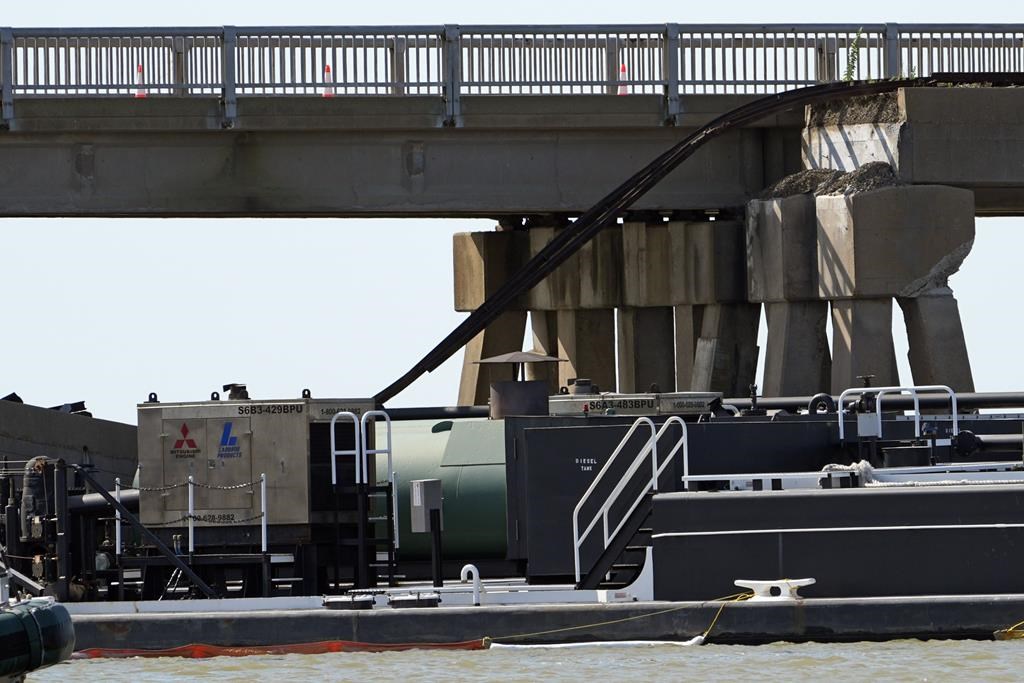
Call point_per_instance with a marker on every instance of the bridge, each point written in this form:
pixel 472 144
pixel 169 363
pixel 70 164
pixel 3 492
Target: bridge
pixel 424 120
pixel 531 125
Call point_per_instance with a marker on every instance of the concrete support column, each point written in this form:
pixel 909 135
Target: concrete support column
pixel 687 320
pixel 646 349
pixel 782 272
pixel 502 336
pixel 545 340
pixel 483 261
pixel 797 360
pixel 897 241
pixel 715 329
pixel 645 327
pixel 938 351
pixel 726 354
pixel 572 310
pixel 862 343
pixel 586 339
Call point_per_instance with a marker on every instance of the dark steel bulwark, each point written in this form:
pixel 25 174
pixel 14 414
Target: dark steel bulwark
pixel 855 542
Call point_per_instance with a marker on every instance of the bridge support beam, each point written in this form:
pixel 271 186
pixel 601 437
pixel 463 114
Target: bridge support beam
pixel 938 352
pixel 646 349
pixel 716 328
pixel 502 336
pixel 688 321
pixel 726 354
pixel 782 273
pixel 862 343
pixel 904 242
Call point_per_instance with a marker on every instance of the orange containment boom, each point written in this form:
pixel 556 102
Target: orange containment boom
pixel 202 651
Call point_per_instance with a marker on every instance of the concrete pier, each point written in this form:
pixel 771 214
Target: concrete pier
pixel 782 273
pixel 938 352
pixel 726 355
pixel 797 359
pixel 862 343
pixel 646 349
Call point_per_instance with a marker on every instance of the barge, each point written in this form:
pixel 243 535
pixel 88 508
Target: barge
pixel 582 517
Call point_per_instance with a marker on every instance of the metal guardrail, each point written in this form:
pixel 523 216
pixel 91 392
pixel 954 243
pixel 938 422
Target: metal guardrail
pixel 449 61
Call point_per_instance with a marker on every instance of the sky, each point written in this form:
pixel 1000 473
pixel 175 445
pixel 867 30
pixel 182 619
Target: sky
pixel 99 309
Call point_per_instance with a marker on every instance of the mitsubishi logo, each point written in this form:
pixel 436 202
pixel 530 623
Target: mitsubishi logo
pixel 185 439
pixel 185 446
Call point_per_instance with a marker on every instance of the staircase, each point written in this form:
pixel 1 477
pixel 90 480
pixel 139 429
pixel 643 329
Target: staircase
pixel 627 535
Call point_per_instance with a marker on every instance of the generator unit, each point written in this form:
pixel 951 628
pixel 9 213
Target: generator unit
pixel 222 478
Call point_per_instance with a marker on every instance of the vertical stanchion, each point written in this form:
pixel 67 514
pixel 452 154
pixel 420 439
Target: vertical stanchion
pixel 117 517
pixel 228 77
pixel 191 516
pixel 117 540
pixel 6 77
pixel 263 510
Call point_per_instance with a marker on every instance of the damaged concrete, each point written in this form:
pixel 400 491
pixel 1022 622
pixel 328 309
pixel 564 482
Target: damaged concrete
pixel 968 137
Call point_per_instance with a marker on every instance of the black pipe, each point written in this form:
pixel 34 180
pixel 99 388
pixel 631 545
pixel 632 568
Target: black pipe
pixel 133 520
pixel 437 413
pixel 966 400
pixel 967 442
pixel 608 209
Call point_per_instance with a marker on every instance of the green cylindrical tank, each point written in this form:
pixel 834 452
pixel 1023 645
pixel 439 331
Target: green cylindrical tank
pixel 468 456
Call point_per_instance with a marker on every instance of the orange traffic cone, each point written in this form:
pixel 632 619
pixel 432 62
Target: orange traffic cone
pixel 140 89
pixel 329 81
pixel 623 77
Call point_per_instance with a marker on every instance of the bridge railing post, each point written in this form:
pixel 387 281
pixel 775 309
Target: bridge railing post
pixel 670 70
pixel 452 37
pixel 6 76
pixel 180 71
pixel 229 98
pixel 892 51
pixel 398 70
pixel 611 58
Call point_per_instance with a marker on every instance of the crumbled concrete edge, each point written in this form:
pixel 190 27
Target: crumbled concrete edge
pixel 870 176
pixel 881 108
pixel 820 181
pixel 938 276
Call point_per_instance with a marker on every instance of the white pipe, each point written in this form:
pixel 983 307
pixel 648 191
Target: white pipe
pixel 117 516
pixel 263 509
pixel 191 516
pixel 470 571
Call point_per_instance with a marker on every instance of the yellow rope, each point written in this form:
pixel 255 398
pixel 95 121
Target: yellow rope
pixel 735 597
pixel 739 597
pixel 1014 627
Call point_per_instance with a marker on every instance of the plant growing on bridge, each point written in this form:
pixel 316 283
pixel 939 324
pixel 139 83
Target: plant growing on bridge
pixel 853 57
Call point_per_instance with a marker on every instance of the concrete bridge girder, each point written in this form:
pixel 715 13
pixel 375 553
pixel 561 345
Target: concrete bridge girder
pixel 369 156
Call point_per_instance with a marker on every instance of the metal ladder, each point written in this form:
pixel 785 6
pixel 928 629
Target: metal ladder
pixel 649 450
pixel 368 499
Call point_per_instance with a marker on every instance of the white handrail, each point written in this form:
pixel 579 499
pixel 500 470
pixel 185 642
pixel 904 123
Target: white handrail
pixel 650 447
pixel 353 451
pixel 913 390
pixel 642 421
pixel 376 451
pixel 366 451
pixel 263 511
pixel 117 517
pixel 191 514
pixel 653 484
